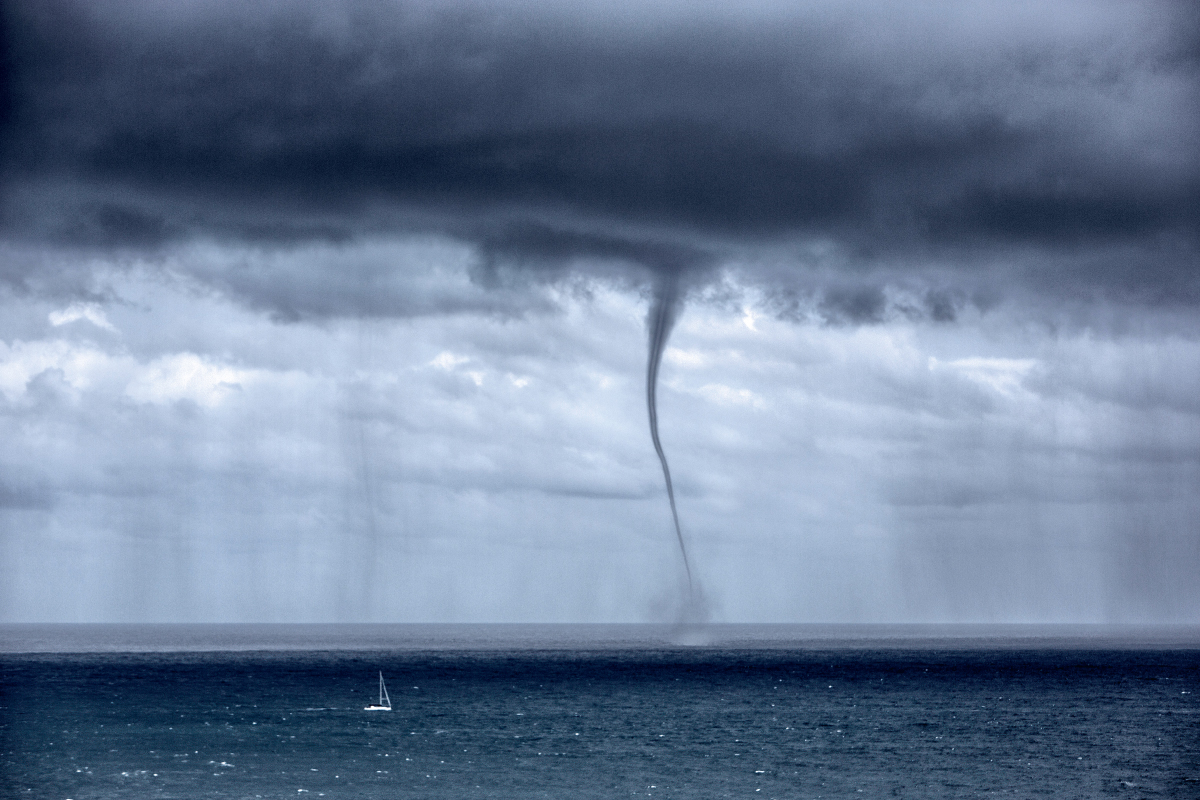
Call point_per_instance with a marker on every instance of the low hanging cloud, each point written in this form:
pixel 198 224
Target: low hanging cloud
pixel 1046 150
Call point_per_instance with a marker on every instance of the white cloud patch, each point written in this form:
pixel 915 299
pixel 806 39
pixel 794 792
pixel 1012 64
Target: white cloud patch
pixel 1003 375
pixel 685 358
pixel 728 396
pixel 91 312
pixel 448 361
pixel 81 366
pixel 177 376
pixel 186 376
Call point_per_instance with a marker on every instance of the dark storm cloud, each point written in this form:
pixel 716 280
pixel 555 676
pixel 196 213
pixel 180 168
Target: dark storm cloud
pixel 522 247
pixel 862 304
pixel 899 134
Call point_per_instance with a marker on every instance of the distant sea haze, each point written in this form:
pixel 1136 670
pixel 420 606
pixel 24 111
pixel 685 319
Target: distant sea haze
pixel 517 711
pixel 166 638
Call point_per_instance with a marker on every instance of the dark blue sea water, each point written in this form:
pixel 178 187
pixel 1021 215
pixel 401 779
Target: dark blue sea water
pixel 532 713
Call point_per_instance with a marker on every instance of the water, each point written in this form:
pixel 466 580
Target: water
pixel 599 712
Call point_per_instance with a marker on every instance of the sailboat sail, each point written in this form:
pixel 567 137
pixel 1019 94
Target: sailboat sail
pixel 385 702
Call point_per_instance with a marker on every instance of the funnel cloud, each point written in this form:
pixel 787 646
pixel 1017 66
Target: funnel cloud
pixel 659 321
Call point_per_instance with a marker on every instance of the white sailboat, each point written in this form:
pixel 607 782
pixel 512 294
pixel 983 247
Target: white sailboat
pixel 385 702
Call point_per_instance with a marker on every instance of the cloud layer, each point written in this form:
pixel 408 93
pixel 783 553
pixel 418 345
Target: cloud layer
pixel 1055 148
pixel 198 460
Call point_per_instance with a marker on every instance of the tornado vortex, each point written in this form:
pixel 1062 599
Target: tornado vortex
pixel 660 322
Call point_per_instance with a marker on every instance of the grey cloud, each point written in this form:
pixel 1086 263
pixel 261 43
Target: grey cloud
pixel 1153 380
pixel 871 301
pixel 942 305
pixel 1022 153
pixel 511 254
pixel 388 278
pixel 20 495
pixel 110 223
pixel 858 305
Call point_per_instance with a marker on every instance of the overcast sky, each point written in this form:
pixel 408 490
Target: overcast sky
pixel 321 311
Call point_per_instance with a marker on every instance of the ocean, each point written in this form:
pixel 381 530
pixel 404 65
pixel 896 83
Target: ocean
pixel 598 712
